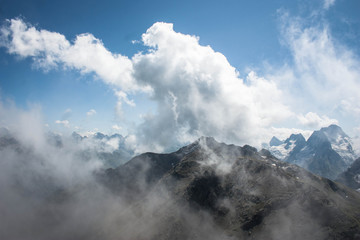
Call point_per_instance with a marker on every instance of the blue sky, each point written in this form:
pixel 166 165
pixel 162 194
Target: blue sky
pixel 295 61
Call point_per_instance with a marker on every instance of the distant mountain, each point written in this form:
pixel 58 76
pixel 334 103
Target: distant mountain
pixel 340 142
pixel 327 152
pixel 237 192
pixel 111 149
pixel 351 177
pixel 282 149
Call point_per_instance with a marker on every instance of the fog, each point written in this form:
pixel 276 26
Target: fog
pixel 50 189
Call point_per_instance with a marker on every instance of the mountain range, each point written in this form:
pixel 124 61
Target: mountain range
pixel 204 190
pixel 328 152
pixel 237 192
pixel 111 149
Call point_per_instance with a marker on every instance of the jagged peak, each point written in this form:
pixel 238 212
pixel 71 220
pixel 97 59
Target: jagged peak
pixel 295 137
pixel 275 141
pixel 318 138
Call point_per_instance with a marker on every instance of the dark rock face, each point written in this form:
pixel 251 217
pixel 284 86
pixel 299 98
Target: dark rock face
pixel 351 177
pixel 317 156
pixel 240 193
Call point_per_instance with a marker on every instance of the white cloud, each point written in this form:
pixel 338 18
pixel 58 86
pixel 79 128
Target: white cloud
pixel 323 76
pixel 116 127
pixel 315 121
pixel 86 54
pixel 91 112
pixel 210 98
pixel 65 123
pixel 122 97
pixel 328 4
pixel 324 68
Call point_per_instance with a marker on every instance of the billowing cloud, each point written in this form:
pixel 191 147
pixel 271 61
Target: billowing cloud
pixel 315 121
pixel 86 53
pixel 199 93
pixel 91 112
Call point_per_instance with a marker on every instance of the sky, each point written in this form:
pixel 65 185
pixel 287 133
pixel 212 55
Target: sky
pixel 163 73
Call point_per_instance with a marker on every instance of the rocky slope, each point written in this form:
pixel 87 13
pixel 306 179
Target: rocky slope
pixel 217 191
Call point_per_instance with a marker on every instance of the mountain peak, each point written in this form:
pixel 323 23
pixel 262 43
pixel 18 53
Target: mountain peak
pixel 295 140
pixel 206 139
pixel 318 138
pixel 275 141
pixel 257 188
pixel 333 131
pixel 296 136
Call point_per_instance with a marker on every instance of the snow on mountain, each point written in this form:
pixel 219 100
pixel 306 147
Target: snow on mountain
pixel 327 152
pixel 111 149
pixel 282 149
pixel 340 142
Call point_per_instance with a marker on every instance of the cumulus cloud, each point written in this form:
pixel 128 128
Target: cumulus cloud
pixel 199 93
pixel 65 123
pixel 86 53
pixel 91 112
pixel 315 121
